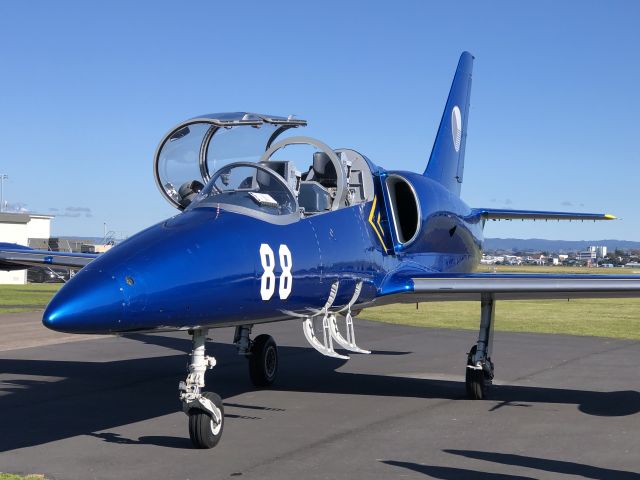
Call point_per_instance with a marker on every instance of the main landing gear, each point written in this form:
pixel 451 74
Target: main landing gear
pixel 262 354
pixel 205 409
pixel 479 375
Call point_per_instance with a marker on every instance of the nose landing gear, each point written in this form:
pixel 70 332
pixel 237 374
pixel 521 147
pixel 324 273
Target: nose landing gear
pixel 205 409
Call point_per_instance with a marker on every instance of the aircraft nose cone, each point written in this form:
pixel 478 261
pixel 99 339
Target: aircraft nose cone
pixel 160 277
pixel 91 302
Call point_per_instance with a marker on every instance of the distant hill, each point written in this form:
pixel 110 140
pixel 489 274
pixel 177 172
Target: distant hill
pixel 554 245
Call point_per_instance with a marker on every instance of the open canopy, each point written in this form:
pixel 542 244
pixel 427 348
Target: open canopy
pixel 191 152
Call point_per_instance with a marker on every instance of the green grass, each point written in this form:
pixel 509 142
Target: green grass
pixel 26 298
pixel 558 269
pixel 11 476
pixel 616 318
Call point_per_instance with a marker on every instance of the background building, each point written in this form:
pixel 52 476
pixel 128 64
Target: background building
pixel 20 228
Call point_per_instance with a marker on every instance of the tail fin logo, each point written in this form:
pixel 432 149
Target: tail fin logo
pixel 456 127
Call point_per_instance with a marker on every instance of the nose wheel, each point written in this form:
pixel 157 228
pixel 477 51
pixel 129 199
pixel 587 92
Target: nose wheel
pixel 204 431
pixel 263 361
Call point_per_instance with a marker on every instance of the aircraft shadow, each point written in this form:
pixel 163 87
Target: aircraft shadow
pixel 554 466
pixel 453 473
pixel 161 441
pixel 83 398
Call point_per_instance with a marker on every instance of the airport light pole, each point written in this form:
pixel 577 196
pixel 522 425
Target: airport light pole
pixel 3 177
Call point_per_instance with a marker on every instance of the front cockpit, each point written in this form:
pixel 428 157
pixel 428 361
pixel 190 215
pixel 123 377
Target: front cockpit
pixel 247 188
pixel 235 161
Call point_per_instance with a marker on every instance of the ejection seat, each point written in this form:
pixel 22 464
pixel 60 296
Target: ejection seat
pixel 314 195
pixel 188 191
pixel 323 171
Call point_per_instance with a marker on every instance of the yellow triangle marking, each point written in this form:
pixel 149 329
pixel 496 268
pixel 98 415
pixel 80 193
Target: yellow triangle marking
pixel 373 225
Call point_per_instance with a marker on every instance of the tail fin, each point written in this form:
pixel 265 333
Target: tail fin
pixel 446 163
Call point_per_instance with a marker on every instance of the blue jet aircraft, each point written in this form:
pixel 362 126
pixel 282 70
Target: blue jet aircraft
pixel 259 238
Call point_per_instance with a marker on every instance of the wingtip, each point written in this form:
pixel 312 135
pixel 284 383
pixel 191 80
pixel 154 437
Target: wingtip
pixel 608 216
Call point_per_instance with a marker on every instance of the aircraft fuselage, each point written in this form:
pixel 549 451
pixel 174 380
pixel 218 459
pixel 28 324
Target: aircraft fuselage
pixel 206 266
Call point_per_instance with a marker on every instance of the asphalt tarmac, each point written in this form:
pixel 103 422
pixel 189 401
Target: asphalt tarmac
pixel 107 408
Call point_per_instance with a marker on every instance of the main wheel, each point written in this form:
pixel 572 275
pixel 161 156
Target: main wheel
pixel 203 430
pixel 475 384
pixel 263 361
pixel 475 380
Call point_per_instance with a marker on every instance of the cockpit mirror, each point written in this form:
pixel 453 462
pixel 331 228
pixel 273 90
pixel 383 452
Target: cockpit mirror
pixel 179 134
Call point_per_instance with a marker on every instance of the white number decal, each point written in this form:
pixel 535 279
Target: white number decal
pixel 268 280
pixel 285 279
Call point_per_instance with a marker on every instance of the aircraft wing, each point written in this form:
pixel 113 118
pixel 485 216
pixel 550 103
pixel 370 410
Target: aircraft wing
pixel 503 286
pixel 505 214
pixel 17 257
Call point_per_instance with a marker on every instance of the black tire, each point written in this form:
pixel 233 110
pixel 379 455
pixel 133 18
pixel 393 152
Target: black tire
pixel 263 361
pixel 202 430
pixel 475 384
pixel 475 381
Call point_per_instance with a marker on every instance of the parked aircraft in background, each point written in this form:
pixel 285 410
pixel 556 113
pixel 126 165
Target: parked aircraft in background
pixel 261 238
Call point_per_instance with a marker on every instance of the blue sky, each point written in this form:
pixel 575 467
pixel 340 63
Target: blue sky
pixel 87 89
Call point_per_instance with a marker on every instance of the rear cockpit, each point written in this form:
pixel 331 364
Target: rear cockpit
pixel 233 161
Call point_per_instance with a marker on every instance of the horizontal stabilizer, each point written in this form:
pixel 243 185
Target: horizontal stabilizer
pixel 504 214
